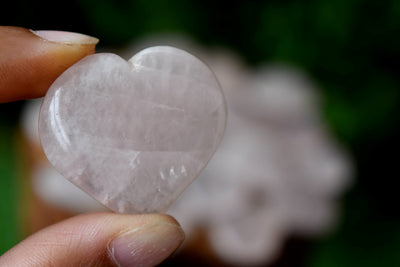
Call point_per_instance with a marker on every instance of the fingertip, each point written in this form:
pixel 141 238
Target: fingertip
pixel 30 61
pixel 147 245
pixel 64 37
pixel 100 239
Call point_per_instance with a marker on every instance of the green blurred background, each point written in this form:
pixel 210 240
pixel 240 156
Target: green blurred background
pixel 350 47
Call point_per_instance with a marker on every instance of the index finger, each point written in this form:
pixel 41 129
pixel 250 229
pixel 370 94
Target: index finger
pixel 31 61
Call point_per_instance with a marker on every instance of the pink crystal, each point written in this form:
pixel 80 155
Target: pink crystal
pixel 133 134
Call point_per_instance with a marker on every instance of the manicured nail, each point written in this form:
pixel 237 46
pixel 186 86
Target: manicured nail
pixel 148 245
pixel 66 37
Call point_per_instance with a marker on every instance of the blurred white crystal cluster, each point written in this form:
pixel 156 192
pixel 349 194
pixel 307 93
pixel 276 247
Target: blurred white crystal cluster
pixel 277 172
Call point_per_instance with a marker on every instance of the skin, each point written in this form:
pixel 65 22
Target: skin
pixel 28 66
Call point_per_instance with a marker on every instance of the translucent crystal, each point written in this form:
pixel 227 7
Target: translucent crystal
pixel 133 134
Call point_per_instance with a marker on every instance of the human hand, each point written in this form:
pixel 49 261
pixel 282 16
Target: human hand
pixel 28 66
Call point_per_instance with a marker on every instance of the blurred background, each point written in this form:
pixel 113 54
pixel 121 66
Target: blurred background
pixel 335 64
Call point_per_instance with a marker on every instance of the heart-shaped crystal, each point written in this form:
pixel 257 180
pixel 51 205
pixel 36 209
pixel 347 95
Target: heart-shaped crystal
pixel 133 134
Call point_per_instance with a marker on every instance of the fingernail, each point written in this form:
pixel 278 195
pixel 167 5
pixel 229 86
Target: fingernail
pixel 66 37
pixel 148 245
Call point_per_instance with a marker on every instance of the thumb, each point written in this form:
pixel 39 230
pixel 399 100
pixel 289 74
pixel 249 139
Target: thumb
pixel 31 61
pixel 103 239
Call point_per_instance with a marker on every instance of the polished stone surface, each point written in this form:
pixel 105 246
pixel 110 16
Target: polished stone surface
pixel 133 134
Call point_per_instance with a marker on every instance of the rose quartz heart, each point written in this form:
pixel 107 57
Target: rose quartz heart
pixel 133 134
